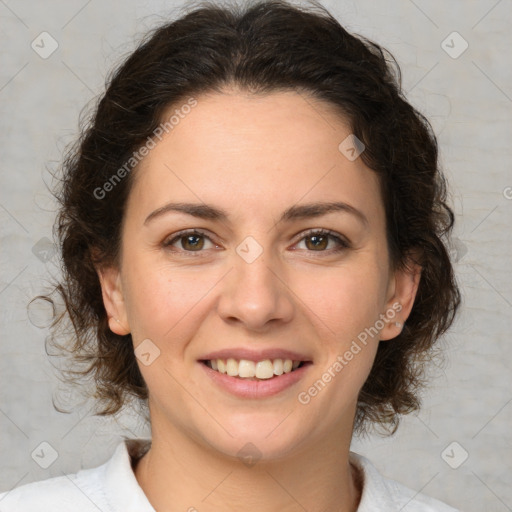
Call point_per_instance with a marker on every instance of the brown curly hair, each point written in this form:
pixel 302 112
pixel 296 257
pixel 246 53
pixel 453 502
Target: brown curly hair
pixel 264 47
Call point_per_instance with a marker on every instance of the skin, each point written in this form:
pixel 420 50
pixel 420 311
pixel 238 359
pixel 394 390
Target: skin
pixel 253 156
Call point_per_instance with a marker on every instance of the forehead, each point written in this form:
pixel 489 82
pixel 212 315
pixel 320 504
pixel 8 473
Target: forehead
pixel 255 152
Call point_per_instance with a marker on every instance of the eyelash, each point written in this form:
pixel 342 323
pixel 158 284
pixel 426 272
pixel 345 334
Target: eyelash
pixel 342 244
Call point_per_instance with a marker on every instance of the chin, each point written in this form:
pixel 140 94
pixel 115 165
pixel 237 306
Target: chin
pixel 256 436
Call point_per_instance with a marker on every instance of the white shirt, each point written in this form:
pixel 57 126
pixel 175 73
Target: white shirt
pixel 112 487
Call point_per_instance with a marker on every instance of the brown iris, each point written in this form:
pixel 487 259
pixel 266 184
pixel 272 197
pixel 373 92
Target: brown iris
pixel 197 245
pixel 324 240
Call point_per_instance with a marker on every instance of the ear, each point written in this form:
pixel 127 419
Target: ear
pixel 113 299
pixel 402 289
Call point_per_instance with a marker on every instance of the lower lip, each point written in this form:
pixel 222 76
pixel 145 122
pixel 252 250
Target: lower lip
pixel 245 388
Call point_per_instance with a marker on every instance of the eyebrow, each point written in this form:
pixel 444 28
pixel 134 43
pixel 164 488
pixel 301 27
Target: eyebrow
pixel 296 212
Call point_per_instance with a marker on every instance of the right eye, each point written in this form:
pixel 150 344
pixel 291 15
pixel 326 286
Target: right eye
pixel 191 241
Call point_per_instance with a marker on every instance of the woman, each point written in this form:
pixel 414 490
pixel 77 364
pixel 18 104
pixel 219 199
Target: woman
pixel 251 230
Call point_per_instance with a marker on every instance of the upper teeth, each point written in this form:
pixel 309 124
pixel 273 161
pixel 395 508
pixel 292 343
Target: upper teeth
pixel 244 368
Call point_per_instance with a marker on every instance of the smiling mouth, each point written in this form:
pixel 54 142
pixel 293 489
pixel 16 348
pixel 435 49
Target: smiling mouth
pixel 254 370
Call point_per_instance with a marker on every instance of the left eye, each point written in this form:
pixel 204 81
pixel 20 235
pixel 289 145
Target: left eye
pixel 319 240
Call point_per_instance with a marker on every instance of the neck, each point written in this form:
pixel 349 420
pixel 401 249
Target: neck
pixel 178 473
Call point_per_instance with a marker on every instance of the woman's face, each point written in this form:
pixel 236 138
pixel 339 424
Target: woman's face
pixel 256 282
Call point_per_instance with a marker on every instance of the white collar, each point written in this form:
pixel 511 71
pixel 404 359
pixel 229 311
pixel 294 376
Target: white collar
pixel 121 486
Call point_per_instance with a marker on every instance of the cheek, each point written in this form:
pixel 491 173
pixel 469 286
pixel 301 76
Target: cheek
pixel 163 303
pixel 343 300
pixel 344 306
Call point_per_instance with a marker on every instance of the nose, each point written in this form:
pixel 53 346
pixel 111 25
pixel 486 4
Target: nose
pixel 256 294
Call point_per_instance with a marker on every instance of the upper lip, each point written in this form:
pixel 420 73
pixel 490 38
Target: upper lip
pixel 255 355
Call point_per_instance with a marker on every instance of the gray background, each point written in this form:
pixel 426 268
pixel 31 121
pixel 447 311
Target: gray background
pixel 469 101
